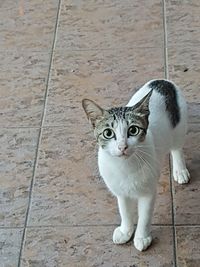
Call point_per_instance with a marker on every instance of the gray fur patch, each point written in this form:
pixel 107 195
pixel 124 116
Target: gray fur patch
pixel 168 90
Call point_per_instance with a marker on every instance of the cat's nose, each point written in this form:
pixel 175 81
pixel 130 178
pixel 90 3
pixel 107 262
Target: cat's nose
pixel 122 148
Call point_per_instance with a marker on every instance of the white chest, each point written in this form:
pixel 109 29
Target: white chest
pixel 125 178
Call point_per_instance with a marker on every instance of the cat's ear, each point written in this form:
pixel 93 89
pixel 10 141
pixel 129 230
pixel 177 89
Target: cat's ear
pixel 92 110
pixel 142 107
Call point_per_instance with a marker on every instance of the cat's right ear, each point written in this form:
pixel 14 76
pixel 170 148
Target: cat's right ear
pixel 92 110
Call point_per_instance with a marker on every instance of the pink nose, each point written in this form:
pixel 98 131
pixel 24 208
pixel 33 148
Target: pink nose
pixel 122 148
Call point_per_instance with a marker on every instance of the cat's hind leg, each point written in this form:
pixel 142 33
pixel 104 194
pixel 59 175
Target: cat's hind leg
pixel 124 232
pixel 180 172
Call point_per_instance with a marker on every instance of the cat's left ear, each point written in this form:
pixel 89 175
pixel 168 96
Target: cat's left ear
pixel 142 107
pixel 92 110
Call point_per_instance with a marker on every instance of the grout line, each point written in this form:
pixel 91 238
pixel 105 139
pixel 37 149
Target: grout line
pixel 70 49
pixel 173 215
pixel 91 225
pixel 166 70
pixel 40 134
pixel 166 73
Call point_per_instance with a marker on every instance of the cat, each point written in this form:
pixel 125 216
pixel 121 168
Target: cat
pixel 133 141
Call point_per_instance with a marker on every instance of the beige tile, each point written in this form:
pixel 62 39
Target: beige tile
pixel 183 23
pixel 160 253
pixel 116 24
pixel 187 197
pixel 109 77
pixel 188 252
pixel 18 147
pixel 184 70
pixel 10 242
pixel 92 246
pixel 22 85
pixel 163 206
pixel 84 3
pixel 28 25
pixel 68 189
pixel 194 112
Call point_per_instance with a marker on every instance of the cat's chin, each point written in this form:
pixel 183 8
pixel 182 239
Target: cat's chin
pixel 121 155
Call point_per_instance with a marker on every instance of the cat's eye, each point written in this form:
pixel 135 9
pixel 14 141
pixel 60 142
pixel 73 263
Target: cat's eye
pixel 133 130
pixel 108 133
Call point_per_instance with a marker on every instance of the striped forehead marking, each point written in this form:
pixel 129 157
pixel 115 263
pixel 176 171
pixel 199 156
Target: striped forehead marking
pixel 118 113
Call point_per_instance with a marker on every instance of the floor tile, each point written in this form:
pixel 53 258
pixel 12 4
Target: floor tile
pixel 109 77
pixel 109 26
pixel 18 148
pixel 163 206
pixel 10 242
pixel 183 23
pixel 160 254
pixel 188 252
pixel 84 3
pixel 187 197
pixel 23 23
pixel 92 246
pixel 194 112
pixel 184 70
pixel 68 189
pixel 23 84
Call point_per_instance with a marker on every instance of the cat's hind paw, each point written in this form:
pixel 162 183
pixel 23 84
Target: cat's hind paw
pixel 142 243
pixel 119 237
pixel 181 176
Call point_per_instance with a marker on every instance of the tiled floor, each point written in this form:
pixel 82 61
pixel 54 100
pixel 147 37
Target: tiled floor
pixel 54 208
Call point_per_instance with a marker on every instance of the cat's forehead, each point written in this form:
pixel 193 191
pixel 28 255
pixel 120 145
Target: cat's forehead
pixel 121 117
pixel 120 113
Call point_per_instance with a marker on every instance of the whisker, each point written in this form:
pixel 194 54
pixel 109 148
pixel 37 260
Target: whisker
pixel 153 172
pixel 150 156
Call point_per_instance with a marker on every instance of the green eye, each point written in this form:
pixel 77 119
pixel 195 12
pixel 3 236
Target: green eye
pixel 108 133
pixel 133 131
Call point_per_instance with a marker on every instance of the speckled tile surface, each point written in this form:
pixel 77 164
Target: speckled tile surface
pixel 49 61
pixel 184 70
pixel 194 112
pixel 115 24
pixel 27 25
pixel 67 189
pixel 188 251
pixel 97 75
pixel 23 83
pixel 17 155
pixel 187 197
pixel 10 242
pixel 183 23
pixel 92 246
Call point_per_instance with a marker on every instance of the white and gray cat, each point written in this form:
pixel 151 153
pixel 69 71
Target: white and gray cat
pixel 133 141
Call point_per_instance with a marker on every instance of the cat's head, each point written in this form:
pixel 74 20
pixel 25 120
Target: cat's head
pixel 119 130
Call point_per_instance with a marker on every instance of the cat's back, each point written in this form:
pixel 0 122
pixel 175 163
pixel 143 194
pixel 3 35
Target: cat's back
pixel 167 105
pixel 168 114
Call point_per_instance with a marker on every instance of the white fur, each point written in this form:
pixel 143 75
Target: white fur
pixel 129 179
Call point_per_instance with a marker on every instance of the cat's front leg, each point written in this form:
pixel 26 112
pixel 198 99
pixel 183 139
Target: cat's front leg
pixel 143 238
pixel 124 232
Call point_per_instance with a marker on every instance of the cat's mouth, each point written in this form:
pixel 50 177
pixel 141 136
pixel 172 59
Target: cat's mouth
pixel 124 155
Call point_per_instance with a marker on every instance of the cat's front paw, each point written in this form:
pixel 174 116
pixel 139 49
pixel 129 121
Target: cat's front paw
pixel 142 243
pixel 120 237
pixel 181 176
